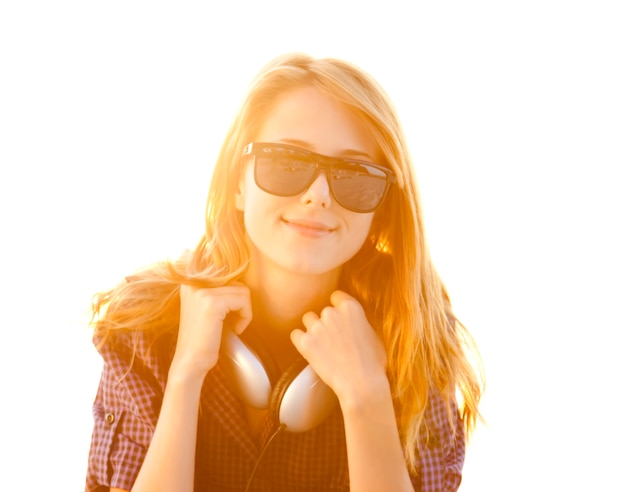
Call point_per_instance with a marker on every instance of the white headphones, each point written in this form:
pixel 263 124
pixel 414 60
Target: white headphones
pixel 296 399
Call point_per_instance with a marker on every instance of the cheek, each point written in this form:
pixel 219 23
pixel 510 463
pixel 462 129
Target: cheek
pixel 261 212
pixel 365 223
pixel 360 229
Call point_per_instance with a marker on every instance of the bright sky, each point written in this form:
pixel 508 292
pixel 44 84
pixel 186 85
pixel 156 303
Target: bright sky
pixel 111 116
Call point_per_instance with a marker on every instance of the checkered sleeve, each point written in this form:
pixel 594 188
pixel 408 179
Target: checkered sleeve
pixel 442 452
pixel 125 412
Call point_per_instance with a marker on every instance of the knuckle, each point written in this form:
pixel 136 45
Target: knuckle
pixel 315 327
pixel 352 305
pixel 327 312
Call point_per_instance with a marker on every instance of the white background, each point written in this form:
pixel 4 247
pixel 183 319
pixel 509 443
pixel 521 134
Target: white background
pixel 111 115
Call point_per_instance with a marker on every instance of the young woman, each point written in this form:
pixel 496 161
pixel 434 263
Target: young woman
pixel 312 276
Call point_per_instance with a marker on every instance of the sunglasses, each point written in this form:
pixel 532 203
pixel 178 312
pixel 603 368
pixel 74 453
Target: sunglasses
pixel 285 170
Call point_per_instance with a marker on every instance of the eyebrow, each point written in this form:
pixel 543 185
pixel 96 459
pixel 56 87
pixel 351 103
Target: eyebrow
pixel 343 153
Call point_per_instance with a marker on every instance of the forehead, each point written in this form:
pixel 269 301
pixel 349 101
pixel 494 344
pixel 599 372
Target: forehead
pixel 312 119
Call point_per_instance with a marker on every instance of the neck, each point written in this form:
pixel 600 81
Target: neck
pixel 280 299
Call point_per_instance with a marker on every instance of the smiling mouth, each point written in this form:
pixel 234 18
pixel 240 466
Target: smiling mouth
pixel 309 228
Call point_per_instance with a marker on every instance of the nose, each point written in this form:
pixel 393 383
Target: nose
pixel 318 194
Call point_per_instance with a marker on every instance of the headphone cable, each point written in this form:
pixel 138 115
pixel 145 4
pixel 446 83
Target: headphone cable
pixel 267 444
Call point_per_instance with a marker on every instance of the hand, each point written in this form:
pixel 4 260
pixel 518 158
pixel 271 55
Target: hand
pixel 342 348
pixel 202 316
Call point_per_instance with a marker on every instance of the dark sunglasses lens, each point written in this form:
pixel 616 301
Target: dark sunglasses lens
pixel 287 172
pixel 358 187
pixel 283 172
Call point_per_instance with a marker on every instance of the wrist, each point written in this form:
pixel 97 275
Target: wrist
pixel 187 372
pixel 373 393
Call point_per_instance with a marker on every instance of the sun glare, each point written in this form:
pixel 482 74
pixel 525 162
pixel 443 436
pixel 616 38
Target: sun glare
pixel 113 114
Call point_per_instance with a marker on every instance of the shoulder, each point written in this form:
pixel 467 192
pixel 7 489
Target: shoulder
pixel 135 370
pixel 135 349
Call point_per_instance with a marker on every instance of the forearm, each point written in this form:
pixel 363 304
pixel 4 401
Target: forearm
pixel 170 460
pixel 375 456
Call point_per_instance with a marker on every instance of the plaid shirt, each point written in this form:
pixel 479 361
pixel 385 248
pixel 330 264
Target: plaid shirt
pixel 126 409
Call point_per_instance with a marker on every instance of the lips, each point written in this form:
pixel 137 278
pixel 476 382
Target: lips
pixel 308 227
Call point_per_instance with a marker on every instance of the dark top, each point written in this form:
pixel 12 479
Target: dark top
pixel 127 405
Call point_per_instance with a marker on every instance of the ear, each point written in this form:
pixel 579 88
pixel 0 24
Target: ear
pixel 240 194
pixel 240 200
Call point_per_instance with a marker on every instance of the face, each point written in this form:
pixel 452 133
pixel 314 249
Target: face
pixel 308 233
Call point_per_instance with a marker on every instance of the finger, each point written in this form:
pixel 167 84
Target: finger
pixel 309 318
pixel 228 290
pixel 339 296
pixel 296 338
pixel 243 320
pixel 241 309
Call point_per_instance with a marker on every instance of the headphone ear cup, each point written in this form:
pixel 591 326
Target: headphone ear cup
pixel 301 400
pixel 281 387
pixel 257 345
pixel 252 378
pixel 296 399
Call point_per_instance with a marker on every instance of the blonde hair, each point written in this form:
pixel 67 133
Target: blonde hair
pixel 392 275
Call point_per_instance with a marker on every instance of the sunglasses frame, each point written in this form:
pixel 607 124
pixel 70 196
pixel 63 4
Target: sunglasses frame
pixel 325 163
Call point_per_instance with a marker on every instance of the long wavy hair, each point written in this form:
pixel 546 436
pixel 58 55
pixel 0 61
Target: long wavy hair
pixel 392 275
